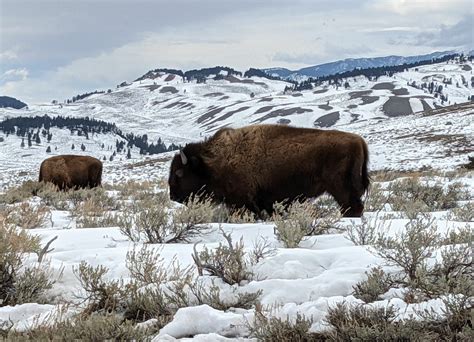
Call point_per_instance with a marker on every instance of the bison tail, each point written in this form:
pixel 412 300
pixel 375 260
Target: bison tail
pixel 41 174
pixel 365 172
pixel 359 173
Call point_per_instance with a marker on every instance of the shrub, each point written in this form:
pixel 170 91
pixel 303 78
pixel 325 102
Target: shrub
pixel 86 328
pixel 153 221
pixel 376 284
pixel 211 295
pixel 364 233
pixel 223 214
pixel 376 198
pixel 410 249
pixel 20 283
pixel 28 216
pixel 295 221
pixel 364 323
pixel 432 197
pixel 21 193
pixel 227 262
pixel 277 329
pixel 463 213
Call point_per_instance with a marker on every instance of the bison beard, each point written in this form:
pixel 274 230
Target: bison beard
pixel 256 166
pixel 71 172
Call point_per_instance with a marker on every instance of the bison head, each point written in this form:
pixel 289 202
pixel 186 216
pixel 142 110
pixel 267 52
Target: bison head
pixel 187 176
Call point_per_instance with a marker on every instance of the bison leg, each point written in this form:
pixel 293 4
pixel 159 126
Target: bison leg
pixel 351 204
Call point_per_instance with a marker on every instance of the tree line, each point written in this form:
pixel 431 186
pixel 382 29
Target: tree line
pixel 32 127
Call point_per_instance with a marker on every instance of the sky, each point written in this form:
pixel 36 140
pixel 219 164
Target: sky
pixel 57 49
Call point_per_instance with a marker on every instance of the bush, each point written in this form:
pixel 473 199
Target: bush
pixel 364 233
pixel 277 329
pixel 376 284
pixel 431 197
pixel 227 262
pixel 363 323
pixel 28 216
pixel 463 213
pixel 153 221
pixel 411 250
pixel 86 328
pixel 20 283
pixel 299 219
pixel 21 193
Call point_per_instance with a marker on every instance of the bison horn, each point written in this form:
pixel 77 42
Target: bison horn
pixel 184 159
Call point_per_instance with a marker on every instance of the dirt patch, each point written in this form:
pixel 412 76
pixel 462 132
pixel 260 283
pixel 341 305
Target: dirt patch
pixel 180 104
pixel 214 94
pixel 210 114
pixel 466 67
pixel 358 94
pixel 384 86
pixel 152 87
pixel 296 94
pixel 325 107
pixel 170 77
pixel 284 112
pixel 425 105
pixel 284 121
pixel 397 106
pixel 400 91
pixel 352 106
pixel 154 103
pixel 327 120
pixel 264 109
pixel 354 117
pixel 368 99
pixel 224 98
pixel 229 114
pixel 233 79
pixel 320 91
pixel 266 99
pixel 149 162
pixel 168 89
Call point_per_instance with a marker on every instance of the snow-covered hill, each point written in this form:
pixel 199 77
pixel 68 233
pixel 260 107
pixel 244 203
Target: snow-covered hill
pixel 351 64
pixel 166 107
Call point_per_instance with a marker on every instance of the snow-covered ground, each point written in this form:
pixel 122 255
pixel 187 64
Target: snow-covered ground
pixel 304 280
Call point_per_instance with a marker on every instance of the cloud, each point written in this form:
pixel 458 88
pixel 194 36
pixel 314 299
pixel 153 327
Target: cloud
pixel 14 75
pixel 8 55
pixel 461 34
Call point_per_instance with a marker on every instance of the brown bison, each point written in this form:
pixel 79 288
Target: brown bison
pixel 71 172
pixel 256 166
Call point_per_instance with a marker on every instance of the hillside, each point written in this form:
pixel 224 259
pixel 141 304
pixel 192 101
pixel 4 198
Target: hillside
pixel 351 64
pixel 166 107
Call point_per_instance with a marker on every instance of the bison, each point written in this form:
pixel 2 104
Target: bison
pixel 256 166
pixel 71 172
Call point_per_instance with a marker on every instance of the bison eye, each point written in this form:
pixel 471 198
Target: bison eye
pixel 179 173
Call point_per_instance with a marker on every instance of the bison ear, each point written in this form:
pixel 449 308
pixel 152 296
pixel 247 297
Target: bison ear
pixel 179 173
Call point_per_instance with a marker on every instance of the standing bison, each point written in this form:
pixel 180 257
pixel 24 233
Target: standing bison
pixel 71 172
pixel 256 166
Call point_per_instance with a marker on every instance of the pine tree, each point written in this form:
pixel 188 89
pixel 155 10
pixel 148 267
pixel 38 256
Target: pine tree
pixel 22 142
pixel 129 154
pixel 72 147
pixel 48 150
pixel 38 140
pixel 83 147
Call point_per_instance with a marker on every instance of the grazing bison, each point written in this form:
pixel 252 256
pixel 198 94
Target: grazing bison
pixel 71 172
pixel 256 166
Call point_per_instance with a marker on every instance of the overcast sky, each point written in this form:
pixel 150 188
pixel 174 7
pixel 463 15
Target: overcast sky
pixel 56 49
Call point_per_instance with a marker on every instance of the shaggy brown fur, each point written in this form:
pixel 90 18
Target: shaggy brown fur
pixel 71 172
pixel 256 166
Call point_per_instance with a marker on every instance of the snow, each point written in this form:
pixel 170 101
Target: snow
pixel 306 280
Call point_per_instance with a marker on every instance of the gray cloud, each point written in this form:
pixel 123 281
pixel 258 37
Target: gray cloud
pixel 460 34
pixel 71 46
